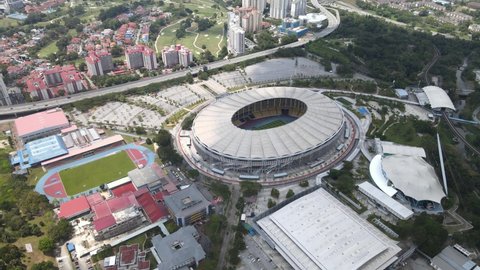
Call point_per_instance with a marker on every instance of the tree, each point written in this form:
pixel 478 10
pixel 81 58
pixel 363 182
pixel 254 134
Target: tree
pixel 163 138
pixel 271 203
pixel 116 51
pixel 82 66
pixel 11 257
pixel 44 266
pixel 290 193
pixel 223 52
pixel 275 193
pixel 287 39
pixel 250 188
pixel 180 33
pixel 140 130
pixel 61 231
pixel 148 141
pixel 303 183
pixel 193 173
pixel 46 245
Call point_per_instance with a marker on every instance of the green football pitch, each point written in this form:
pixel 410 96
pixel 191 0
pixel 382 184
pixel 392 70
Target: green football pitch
pixel 95 173
pixel 273 124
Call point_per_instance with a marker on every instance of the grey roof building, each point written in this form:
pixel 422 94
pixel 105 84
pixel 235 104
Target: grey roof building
pixel 452 259
pixel 146 177
pixel 179 250
pixel 187 206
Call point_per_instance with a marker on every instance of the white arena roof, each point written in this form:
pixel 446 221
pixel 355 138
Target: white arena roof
pixel 418 182
pixel 438 98
pixel 398 149
pixel 213 127
pixel 317 231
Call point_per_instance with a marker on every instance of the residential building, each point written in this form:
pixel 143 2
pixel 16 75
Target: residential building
pixel 53 76
pixel 187 206
pixel 279 8
pixel 179 250
pixel 236 35
pixel 176 55
pixel 141 56
pixel 251 21
pixel 298 7
pixel 40 125
pixel 99 63
pixel 4 96
pixel 256 4
pixel 12 5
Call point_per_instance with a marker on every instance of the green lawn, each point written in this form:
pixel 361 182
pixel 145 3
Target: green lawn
pixel 93 174
pixel 47 50
pixel 7 22
pixel 211 37
pixel 273 124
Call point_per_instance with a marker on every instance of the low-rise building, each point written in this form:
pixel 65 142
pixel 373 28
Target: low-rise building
pixel 129 257
pixel 452 258
pixel 40 125
pixel 187 206
pixel 179 250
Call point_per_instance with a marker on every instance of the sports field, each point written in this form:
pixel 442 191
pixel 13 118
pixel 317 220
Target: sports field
pixel 273 124
pixel 95 173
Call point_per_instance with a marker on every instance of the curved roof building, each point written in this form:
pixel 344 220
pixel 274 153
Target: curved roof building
pixel 438 98
pixel 419 182
pixel 261 126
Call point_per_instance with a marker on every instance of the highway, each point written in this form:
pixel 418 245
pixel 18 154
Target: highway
pixel 333 23
pixel 458 135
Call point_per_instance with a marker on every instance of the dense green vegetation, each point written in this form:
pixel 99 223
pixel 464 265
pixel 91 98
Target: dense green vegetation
pixel 213 229
pixel 166 152
pixel 390 53
pixel 250 188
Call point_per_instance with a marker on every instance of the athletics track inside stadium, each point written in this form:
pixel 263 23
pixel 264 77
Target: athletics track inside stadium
pixel 51 185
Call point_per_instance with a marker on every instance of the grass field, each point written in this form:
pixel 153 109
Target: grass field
pixel 273 124
pixel 211 38
pixel 47 50
pixel 7 22
pixel 93 174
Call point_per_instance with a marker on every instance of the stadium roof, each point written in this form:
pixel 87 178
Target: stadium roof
pixel 74 208
pixel 376 172
pixel 46 120
pixel 317 231
pixel 213 127
pixel 186 201
pixel 178 249
pixel 418 182
pixel 392 205
pixel 438 98
pixel 397 149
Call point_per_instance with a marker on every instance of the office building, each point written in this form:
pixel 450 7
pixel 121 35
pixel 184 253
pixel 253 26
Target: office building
pixel 179 250
pixel 187 206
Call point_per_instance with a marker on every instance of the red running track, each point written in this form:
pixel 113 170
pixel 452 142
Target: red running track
pixel 53 187
pixel 137 157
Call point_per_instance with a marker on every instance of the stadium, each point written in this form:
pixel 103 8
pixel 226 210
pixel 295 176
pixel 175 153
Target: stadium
pixel 269 131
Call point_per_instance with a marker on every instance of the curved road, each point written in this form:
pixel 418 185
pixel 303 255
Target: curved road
pixel 458 135
pixel 333 23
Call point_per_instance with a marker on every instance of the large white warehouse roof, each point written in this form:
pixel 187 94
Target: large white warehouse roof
pixel 317 231
pixel 214 130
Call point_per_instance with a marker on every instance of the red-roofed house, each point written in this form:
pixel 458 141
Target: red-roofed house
pixel 40 125
pixel 152 209
pixel 74 208
pixel 125 188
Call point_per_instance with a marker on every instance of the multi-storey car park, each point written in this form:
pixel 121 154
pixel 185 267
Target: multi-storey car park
pixel 267 132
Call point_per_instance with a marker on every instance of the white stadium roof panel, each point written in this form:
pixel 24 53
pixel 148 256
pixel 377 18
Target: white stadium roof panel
pixel 213 127
pixel 317 231
pixel 438 98
pixel 376 172
pixel 419 181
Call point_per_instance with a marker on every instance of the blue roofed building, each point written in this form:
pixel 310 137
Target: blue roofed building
pixel 39 150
